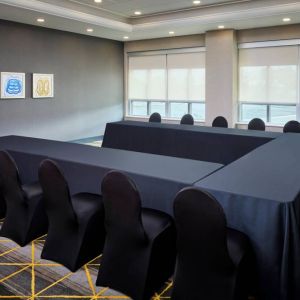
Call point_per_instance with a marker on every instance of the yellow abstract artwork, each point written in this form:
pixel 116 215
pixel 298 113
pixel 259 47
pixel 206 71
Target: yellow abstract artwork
pixel 42 86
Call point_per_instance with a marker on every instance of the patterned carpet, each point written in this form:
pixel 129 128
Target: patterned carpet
pixel 24 275
pixel 93 141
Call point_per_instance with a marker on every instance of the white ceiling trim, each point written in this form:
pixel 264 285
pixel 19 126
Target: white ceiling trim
pixel 224 17
pixel 67 13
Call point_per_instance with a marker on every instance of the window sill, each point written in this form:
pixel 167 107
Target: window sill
pixel 276 127
pixel 164 120
pixel 267 124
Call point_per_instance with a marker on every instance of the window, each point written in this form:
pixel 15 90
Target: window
pixel 269 83
pixel 169 83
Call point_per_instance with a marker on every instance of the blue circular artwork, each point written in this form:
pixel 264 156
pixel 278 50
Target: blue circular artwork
pixel 14 87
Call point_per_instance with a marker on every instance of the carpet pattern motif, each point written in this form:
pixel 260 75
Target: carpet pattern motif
pixel 24 275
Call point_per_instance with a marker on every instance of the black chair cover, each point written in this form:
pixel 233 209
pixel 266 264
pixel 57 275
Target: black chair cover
pixel 2 204
pixel 139 251
pixel 187 120
pixel 292 126
pixel 76 230
pixel 25 218
pixel 155 118
pixel 257 124
pixel 220 122
pixel 210 257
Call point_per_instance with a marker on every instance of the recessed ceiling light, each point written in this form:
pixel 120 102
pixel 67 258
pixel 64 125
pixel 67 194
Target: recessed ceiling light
pixel 137 13
pixel 125 37
pixel 286 19
pixel 171 32
pixel 98 1
pixel 90 30
pixel 221 26
pixel 196 2
pixel 40 20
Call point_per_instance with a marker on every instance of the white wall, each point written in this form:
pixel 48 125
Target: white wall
pixel 221 76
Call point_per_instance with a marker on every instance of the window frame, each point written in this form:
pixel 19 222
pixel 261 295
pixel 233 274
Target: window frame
pixel 128 102
pixel 268 44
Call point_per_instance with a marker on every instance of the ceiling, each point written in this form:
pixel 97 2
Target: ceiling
pixel 126 8
pixel 115 19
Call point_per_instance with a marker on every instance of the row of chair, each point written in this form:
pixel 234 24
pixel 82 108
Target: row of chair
pixel 139 245
pixel 188 119
pixel 259 124
pixel 220 121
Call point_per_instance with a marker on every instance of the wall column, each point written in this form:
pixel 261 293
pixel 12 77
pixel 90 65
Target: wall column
pixel 221 76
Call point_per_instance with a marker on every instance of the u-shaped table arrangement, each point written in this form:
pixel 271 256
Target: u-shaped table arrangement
pixel 253 175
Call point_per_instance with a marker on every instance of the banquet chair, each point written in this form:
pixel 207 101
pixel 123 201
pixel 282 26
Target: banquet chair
pixel 220 122
pixel 155 118
pixel 211 259
pixel 2 204
pixel 292 126
pixel 257 124
pixel 187 120
pixel 139 251
pixel 25 218
pixel 76 229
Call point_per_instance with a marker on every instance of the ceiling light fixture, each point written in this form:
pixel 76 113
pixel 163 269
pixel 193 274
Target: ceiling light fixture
pixel 97 1
pixel 125 37
pixel 90 30
pixel 221 26
pixel 286 19
pixel 171 32
pixel 137 13
pixel 40 20
pixel 196 2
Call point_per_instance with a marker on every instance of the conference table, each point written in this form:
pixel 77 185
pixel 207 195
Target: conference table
pixel 258 187
pixel 158 178
pixel 260 194
pixel 218 145
pixel 259 191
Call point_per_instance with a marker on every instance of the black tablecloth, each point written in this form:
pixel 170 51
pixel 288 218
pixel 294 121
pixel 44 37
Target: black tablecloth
pixel 218 145
pixel 158 178
pixel 259 192
pixel 260 196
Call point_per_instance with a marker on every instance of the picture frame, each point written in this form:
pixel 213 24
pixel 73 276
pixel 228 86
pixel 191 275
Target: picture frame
pixel 42 85
pixel 12 85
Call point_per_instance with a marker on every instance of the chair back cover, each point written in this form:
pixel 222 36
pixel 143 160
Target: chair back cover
pixel 122 206
pixel 257 124
pixel 126 250
pixel 220 122
pixel 292 126
pixel 57 198
pixel 187 120
pixel 2 204
pixel 155 118
pixel 203 260
pixel 10 180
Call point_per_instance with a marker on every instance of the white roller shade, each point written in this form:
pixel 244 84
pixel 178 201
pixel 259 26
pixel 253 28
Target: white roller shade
pixel 269 75
pixel 186 76
pixel 147 77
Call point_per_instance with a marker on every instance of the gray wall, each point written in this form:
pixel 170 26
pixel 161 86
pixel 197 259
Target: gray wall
pixel 88 82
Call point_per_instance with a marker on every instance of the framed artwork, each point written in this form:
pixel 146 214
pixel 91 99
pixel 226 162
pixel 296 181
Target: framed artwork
pixel 12 85
pixel 42 85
